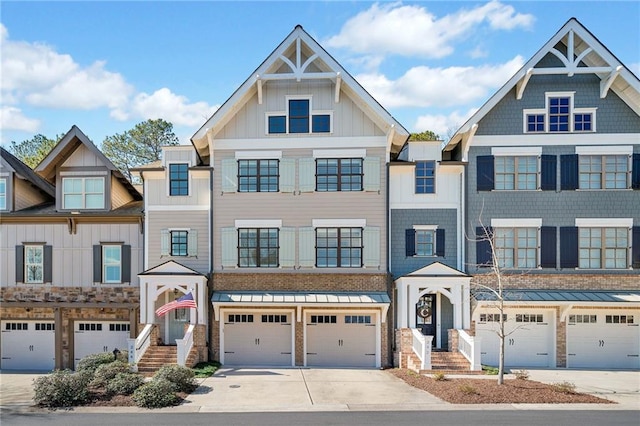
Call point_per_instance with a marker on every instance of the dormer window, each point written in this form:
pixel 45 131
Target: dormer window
pixel 83 193
pixel 299 119
pixel 559 116
pixel 178 179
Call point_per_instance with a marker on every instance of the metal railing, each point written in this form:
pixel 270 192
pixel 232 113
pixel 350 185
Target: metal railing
pixel 185 345
pixel 422 348
pixel 469 346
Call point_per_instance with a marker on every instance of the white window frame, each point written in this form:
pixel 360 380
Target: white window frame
pixel 285 113
pixel 606 151
pixel 27 263
pixel 106 264
pixel 3 193
pixel 601 223
pixel 516 224
pixel 83 194
pixel 168 166
pixel 572 111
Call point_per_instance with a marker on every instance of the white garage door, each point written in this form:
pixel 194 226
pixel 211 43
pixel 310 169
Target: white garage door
pixel 97 337
pixel 257 338
pixel 530 339
pixel 28 345
pixel 603 339
pixel 341 340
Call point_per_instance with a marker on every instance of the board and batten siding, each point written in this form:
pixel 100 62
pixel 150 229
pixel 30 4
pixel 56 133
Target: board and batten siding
pixel 196 220
pixel 72 254
pixel 298 209
pixel 348 119
pixel 157 195
pixel 83 157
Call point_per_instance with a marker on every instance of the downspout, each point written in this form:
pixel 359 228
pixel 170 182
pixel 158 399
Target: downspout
pixel 391 332
pixel 210 255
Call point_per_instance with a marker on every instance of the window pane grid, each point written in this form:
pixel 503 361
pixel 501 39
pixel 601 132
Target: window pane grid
pixel 582 122
pixel 34 264
pixel 3 194
pixel 178 179
pixel 606 248
pixel 559 114
pixel 338 174
pixel 111 263
pixel 83 193
pixel 179 243
pixel 258 175
pixel 516 173
pixel 425 242
pixel 258 247
pixel 425 177
pixel 516 247
pixel 299 116
pixel 535 123
pixel 339 247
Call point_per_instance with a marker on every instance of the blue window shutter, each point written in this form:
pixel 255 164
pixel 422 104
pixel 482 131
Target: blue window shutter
pixel 371 168
pixel 287 175
pixel 371 247
pixel 440 242
pixel 635 171
pixel 569 172
pixel 97 264
pixel 307 178
pixel 287 247
pixel 126 263
pixel 192 243
pixel 568 247
pixel 548 247
pixel 410 242
pixel 635 247
pixel 307 247
pixel 483 246
pixel 548 172
pixel 229 247
pixel 229 175
pixel 164 242
pixel 47 261
pixel 19 264
pixel 485 171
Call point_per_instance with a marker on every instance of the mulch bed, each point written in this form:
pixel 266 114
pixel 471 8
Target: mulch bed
pixel 487 390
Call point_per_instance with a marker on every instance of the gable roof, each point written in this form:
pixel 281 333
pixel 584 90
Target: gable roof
pixel 318 64
pixel 67 146
pixel 170 267
pixel 27 173
pixel 437 269
pixel 585 54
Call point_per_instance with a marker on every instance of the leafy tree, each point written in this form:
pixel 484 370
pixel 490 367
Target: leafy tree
pixel 140 145
pixel 427 135
pixel 32 151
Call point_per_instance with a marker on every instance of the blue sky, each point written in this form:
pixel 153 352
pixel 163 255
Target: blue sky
pixel 106 66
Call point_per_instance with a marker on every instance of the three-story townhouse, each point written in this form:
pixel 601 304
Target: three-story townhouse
pixel 72 244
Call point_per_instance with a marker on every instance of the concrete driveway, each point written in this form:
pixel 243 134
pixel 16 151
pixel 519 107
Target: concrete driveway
pixel 303 389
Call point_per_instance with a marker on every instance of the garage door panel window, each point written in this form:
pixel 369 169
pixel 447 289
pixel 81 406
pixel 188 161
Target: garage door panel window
pixel 275 318
pixel 583 319
pixel 119 327
pixel 529 318
pixel 357 319
pixel 492 317
pixel 324 319
pixel 90 327
pixel 619 319
pixel 240 318
pixel 16 326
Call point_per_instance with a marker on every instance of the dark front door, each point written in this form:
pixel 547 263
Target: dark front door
pixel 426 315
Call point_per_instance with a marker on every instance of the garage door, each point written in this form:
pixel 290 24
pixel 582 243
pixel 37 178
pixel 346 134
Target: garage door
pixel 258 338
pixel 97 337
pixel 28 345
pixel 603 339
pixel 341 340
pixel 530 339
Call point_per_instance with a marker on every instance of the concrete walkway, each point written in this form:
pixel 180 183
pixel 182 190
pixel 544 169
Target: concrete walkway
pixel 317 389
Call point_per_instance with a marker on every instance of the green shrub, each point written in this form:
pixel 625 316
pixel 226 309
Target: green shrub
pixel 564 387
pixel 105 372
pixel 439 377
pixel 125 383
pixel 489 370
pixel 157 393
pixel 92 362
pixel 62 388
pixel 182 377
pixel 205 369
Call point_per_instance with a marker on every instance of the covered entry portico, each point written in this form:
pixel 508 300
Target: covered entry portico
pixel 434 299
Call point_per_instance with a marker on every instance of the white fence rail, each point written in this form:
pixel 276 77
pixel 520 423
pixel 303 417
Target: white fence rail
pixel 185 345
pixel 422 348
pixel 469 346
pixel 139 345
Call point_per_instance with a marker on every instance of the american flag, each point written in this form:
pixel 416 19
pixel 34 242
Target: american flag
pixel 185 301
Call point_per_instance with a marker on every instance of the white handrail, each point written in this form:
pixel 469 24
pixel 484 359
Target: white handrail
pixel 422 348
pixel 469 346
pixel 185 345
pixel 139 345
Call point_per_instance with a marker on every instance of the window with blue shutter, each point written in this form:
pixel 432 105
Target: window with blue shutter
pixel 287 247
pixel 229 247
pixel 569 172
pixel 229 175
pixel 635 172
pixel 485 172
pixel 410 242
pixel 371 178
pixel 568 247
pixel 635 247
pixel 371 247
pixel 548 172
pixel 548 247
pixel 483 246
pixel 287 175
pixel 440 242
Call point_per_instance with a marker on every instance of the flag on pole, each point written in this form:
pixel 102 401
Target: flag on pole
pixel 185 301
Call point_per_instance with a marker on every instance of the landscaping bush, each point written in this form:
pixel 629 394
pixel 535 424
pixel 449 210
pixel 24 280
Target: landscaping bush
pixel 105 372
pixel 62 388
pixel 91 362
pixel 468 389
pixel 564 387
pixel 182 377
pixel 125 383
pixel 205 369
pixel 439 377
pixel 157 393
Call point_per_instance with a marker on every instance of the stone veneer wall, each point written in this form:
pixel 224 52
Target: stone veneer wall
pixel 46 293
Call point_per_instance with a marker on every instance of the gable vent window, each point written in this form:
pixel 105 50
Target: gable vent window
pixel 560 116
pixel 299 118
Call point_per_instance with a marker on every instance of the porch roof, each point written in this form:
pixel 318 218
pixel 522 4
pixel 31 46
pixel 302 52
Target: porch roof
pixel 526 295
pixel 296 297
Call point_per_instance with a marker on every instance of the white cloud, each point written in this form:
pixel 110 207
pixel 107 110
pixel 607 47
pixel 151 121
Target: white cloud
pixel 443 125
pixel 166 105
pixel 443 87
pixel 37 74
pixel 411 30
pixel 12 118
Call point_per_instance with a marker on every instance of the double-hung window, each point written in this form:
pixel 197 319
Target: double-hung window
pixel 34 264
pixel 603 171
pixel 339 247
pixel 516 172
pixel 603 248
pixel 258 247
pixel 112 263
pixel 338 174
pixel 179 243
pixel 425 242
pixel 258 175
pixel 425 177
pixel 3 193
pixel 516 247
pixel 83 193
pixel 178 179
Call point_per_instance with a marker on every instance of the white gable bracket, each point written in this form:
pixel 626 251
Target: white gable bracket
pixel 467 145
pixel 605 84
pixel 522 84
pixel 337 94
pixel 259 85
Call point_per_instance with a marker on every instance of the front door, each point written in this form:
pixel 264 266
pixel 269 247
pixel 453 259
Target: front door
pixel 426 315
pixel 177 320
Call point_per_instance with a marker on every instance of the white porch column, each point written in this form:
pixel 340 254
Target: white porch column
pixel 414 291
pixel 402 314
pixel 456 292
pixel 466 305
